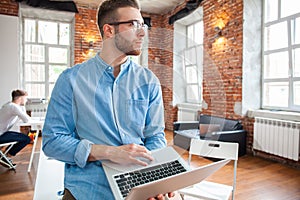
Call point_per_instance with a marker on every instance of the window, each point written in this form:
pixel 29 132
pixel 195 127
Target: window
pixel 281 55
pixel 192 59
pixel 46 49
pixel 188 60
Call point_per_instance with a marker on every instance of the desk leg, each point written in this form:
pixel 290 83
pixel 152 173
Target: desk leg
pixel 33 150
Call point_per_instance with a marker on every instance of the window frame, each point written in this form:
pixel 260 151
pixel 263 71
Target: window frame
pixel 58 17
pixel 191 45
pixel 290 79
pixel 179 44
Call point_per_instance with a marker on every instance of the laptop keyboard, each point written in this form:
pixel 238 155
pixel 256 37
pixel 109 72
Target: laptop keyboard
pixel 129 180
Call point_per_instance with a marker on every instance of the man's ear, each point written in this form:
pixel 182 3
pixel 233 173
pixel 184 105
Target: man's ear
pixel 108 30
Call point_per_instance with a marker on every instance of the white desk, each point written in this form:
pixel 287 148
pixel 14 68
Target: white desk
pixel 36 123
pixel 49 179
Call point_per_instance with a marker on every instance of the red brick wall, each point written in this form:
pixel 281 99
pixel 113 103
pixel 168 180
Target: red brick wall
pixel 222 72
pixel 160 61
pixel 86 30
pixel 9 7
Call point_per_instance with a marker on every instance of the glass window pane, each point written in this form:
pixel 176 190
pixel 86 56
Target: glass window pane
pixel 289 7
pixel 34 72
pixel 58 55
pixel 64 34
pixel 296 58
pixel 42 63
pixel 190 56
pixel 29 32
pixel 35 90
pixel 199 32
pixel 297 93
pixel 191 74
pixel 47 32
pixel 276 65
pixel 296 31
pixel 276 94
pixel 271 10
pixel 192 92
pixel 190 36
pixel 34 53
pixel 55 71
pixel 276 36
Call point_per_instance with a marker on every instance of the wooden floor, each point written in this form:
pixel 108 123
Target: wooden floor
pixel 257 179
pixel 20 184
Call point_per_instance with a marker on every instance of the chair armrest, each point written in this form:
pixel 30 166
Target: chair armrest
pixel 228 132
pixel 185 125
pixel 228 136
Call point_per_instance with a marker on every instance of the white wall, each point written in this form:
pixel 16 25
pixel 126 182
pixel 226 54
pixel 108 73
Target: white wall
pixel 252 55
pixel 9 56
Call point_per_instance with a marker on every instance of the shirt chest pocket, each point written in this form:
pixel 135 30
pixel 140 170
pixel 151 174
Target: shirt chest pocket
pixel 136 111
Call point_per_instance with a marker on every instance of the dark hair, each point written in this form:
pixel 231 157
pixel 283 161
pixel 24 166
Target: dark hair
pixel 107 11
pixel 18 93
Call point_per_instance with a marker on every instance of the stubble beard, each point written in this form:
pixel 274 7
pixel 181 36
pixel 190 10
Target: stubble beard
pixel 125 46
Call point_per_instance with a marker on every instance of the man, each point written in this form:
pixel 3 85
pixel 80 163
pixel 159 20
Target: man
pixel 10 114
pixel 107 108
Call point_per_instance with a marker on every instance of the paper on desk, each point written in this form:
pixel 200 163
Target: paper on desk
pixel 160 156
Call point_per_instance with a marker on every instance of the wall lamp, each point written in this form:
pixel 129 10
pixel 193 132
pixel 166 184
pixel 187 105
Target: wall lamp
pixel 87 47
pixel 91 45
pixel 222 19
pixel 218 32
pixel 87 43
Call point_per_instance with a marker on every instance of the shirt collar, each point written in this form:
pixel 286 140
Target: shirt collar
pixel 106 66
pixel 125 65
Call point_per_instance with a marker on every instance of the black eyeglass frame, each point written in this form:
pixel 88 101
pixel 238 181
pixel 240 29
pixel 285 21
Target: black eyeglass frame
pixel 135 23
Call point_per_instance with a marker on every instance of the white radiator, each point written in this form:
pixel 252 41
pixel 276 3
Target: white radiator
pixel 278 137
pixel 188 112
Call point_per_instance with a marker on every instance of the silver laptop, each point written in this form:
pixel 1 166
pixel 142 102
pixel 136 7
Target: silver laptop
pixel 166 173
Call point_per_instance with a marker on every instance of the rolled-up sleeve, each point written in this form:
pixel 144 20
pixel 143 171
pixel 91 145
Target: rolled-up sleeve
pixel 82 152
pixel 60 140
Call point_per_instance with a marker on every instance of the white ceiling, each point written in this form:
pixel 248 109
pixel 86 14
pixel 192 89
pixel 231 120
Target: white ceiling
pixel 149 6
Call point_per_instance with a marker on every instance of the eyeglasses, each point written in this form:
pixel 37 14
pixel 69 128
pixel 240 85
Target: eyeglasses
pixel 136 25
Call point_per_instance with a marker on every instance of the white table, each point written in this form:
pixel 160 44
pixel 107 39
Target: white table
pixel 49 179
pixel 36 123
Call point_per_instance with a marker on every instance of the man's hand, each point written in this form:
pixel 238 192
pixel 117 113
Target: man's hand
pixel 125 154
pixel 161 196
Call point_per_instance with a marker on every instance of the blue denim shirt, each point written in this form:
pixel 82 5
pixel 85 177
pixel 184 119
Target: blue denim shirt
pixel 89 106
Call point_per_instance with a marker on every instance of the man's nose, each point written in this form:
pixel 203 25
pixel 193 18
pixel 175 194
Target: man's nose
pixel 141 32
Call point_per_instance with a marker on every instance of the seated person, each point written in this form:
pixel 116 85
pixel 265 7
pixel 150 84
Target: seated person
pixel 10 113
